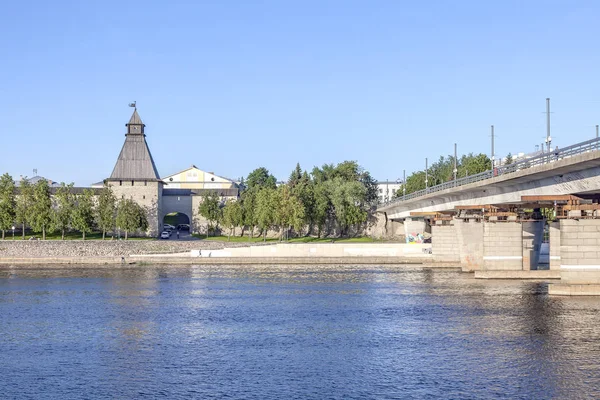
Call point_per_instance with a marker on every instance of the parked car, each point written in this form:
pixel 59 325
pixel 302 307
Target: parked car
pixel 168 227
pixel 165 235
pixel 183 227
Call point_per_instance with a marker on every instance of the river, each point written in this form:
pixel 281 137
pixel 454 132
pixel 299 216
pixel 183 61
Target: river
pixel 291 333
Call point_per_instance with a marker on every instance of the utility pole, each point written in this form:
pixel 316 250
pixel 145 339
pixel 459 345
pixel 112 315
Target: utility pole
pixel 492 147
pixel 548 137
pixel 404 185
pixel 426 176
pixel 455 169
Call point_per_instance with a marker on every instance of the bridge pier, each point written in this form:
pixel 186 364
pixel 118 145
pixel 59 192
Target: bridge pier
pixel 444 245
pixel 503 246
pixel 579 258
pixel 488 245
pixel 469 236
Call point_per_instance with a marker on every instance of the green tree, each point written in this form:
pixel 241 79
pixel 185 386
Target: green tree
pixel 83 214
pixel 265 209
pixel 131 217
pixel 106 210
pixel 509 159
pixel 289 211
pixel 63 208
pixel 41 210
pixel 304 191
pixel 24 204
pixel 322 206
pixel 260 178
pixel 473 164
pixel 295 176
pixel 232 216
pixel 248 199
pixel 210 208
pixel 7 203
pixel 346 198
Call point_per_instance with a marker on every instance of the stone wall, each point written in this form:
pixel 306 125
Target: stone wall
pixel 580 251
pixel 444 243
pixel 147 194
pixel 103 248
pixel 503 246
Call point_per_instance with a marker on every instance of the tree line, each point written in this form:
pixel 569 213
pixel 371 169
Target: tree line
pixel 442 171
pixel 34 205
pixel 333 197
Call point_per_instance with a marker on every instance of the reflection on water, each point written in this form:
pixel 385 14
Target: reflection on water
pixel 291 332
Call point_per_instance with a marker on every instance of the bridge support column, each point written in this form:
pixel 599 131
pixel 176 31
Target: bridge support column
pixel 533 235
pixel 503 246
pixel 579 258
pixel 444 243
pixel 470 244
pixel 413 227
pixel 554 245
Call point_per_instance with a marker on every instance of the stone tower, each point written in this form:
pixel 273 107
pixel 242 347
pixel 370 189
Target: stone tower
pixel 135 176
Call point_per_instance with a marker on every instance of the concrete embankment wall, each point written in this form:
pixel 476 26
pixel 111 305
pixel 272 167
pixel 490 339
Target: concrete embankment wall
pixel 115 262
pixel 328 250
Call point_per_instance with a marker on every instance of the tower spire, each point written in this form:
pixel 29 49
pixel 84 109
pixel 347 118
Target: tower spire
pixel 135 161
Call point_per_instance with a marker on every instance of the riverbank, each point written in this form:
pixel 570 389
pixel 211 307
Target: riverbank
pixel 209 252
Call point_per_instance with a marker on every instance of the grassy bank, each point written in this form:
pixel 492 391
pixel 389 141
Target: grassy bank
pixel 68 236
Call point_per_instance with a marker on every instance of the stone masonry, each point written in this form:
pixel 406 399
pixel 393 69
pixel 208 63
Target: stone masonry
pixel 470 243
pixel 502 242
pixel 444 243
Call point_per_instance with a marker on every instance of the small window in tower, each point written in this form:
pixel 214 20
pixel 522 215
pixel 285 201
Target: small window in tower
pixel 131 183
pixel 120 183
pixel 122 196
pixel 145 183
pixel 144 197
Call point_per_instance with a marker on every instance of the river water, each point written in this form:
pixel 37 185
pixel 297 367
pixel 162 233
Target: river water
pixel 291 333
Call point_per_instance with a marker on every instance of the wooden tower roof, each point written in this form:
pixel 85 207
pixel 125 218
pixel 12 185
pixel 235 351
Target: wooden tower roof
pixel 135 161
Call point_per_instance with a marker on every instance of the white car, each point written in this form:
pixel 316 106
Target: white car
pixel 168 227
pixel 165 235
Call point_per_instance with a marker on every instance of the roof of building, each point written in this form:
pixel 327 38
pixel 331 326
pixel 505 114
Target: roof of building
pixel 135 118
pixel 135 160
pixel 36 179
pixel 206 172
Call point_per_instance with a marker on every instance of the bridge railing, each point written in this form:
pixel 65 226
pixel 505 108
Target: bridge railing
pixel 540 159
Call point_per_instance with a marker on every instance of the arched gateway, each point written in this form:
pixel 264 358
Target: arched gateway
pixel 136 177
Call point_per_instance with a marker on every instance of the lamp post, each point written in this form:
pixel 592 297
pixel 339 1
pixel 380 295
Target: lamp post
pixel 13 229
pixel 403 185
pixel 426 176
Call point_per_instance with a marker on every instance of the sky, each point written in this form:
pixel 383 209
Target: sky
pixel 230 86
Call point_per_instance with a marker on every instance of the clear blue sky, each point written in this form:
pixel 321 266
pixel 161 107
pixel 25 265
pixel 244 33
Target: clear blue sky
pixel 233 85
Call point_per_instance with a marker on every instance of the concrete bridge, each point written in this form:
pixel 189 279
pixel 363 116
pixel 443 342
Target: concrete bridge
pixel 497 220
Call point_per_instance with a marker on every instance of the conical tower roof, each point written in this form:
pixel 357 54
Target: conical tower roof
pixel 135 118
pixel 135 161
